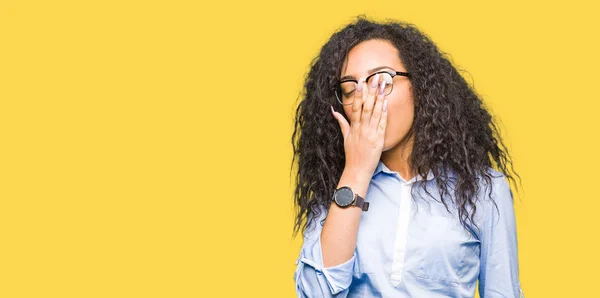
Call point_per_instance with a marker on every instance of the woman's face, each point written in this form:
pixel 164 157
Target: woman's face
pixel 377 53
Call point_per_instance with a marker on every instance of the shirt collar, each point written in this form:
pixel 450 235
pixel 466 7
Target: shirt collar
pixel 381 167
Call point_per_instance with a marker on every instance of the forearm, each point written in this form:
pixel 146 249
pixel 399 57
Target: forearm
pixel 338 237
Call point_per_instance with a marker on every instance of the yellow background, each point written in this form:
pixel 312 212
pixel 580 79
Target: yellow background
pixel 145 145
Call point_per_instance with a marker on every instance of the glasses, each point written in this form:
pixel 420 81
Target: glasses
pixel 344 91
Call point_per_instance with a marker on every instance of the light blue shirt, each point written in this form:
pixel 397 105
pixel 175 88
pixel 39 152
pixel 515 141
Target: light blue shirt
pixel 415 248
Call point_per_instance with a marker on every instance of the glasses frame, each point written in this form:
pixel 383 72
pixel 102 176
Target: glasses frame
pixel 393 73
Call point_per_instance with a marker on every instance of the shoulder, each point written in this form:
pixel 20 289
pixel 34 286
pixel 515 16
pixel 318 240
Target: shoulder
pixel 491 180
pixel 496 196
pixel 496 185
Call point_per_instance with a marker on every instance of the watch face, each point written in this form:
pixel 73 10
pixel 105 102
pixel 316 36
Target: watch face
pixel 344 196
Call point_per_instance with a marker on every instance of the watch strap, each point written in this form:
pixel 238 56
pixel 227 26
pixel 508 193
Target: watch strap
pixel 360 203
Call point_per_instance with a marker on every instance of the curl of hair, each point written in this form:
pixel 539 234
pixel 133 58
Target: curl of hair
pixel 454 134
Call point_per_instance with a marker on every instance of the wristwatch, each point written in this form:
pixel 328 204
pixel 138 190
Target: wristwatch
pixel 345 197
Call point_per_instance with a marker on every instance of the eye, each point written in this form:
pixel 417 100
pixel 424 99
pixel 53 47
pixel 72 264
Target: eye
pixel 347 88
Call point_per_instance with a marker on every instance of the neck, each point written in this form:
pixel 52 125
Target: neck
pixel 397 158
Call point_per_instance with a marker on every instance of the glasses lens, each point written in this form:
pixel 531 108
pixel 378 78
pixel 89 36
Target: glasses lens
pixel 346 92
pixel 383 77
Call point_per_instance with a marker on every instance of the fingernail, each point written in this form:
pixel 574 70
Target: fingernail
pixel 375 81
pixel 381 88
pixel 359 85
pixel 332 112
pixel 385 105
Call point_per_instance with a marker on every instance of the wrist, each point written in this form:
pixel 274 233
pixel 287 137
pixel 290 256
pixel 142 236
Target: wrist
pixel 358 182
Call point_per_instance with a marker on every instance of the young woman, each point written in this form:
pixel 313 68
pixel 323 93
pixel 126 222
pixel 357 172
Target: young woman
pixel 396 182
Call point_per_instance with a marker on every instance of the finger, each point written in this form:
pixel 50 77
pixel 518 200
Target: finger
pixel 357 105
pixel 367 108
pixel 383 120
pixel 378 106
pixel 344 126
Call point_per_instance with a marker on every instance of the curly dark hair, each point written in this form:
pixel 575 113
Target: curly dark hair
pixel 454 134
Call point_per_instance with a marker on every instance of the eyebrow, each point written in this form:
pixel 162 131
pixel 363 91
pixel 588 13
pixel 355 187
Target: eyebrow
pixel 369 72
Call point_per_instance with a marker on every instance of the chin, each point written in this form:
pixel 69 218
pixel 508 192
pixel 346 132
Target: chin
pixel 389 143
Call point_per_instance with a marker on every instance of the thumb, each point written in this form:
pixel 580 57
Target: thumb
pixel 342 122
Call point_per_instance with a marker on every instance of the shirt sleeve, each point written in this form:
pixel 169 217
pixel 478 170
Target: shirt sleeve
pixel 499 271
pixel 311 277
